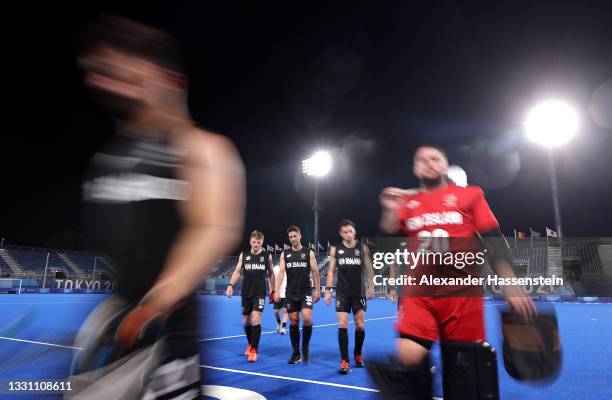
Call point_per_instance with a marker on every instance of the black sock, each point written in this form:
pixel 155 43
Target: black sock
pixel 307 330
pixel 284 324
pixel 294 333
pixel 255 334
pixel 278 319
pixel 343 343
pixel 359 338
pixel 247 330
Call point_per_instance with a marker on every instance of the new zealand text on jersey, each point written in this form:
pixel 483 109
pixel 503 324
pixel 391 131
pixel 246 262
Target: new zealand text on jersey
pixel 349 261
pixel 297 264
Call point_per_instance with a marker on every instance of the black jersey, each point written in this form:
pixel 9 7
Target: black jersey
pixel 297 266
pixel 350 272
pixel 130 199
pixel 254 270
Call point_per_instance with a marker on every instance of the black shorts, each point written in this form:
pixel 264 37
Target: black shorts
pixel 253 303
pixel 181 358
pixel 282 303
pixel 348 303
pixel 297 302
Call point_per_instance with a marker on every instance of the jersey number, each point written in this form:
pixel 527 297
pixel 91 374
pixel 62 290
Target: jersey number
pixel 436 240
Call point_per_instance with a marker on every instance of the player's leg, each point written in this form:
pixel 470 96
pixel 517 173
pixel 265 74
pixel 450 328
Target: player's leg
pixel 408 376
pixel 469 363
pixel 277 312
pixel 359 306
pixel 343 307
pixel 293 308
pixel 306 327
pixel 247 308
pixel 283 303
pixel 258 308
pixel 255 335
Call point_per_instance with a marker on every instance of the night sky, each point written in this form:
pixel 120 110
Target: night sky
pixel 366 80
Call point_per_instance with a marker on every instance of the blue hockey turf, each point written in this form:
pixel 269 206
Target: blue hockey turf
pixel 36 333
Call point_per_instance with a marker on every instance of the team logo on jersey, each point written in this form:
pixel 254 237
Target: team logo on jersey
pixel 248 258
pixel 340 251
pixel 288 255
pixel 303 255
pixel 450 200
pixel 357 252
pixel 412 204
pixel 261 259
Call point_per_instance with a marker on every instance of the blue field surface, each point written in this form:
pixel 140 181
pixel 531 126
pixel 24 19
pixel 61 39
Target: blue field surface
pixel 38 329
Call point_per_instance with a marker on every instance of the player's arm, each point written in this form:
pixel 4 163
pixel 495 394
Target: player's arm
pixel 235 275
pixel 280 277
pixel 499 254
pixel 314 268
pixel 271 281
pixel 212 217
pixel 393 275
pixel 369 270
pixel 390 201
pixel 330 274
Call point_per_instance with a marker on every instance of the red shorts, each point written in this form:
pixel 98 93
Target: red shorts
pixel 458 319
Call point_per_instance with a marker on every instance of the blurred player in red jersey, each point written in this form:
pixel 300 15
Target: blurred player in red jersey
pixel 442 209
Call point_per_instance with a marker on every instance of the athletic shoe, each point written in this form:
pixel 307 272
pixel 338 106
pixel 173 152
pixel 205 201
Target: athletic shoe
pixel 295 358
pixel 253 356
pixel 345 367
pixel 248 350
pixel 359 361
pixel 283 331
pixel 278 327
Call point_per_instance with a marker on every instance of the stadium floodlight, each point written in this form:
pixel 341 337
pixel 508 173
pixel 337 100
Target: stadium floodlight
pixel 551 123
pixel 317 165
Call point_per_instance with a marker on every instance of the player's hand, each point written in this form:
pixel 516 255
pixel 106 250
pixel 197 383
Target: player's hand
pixel 522 305
pixel 519 302
pixel 391 197
pixel 275 297
pixel 392 296
pixel 369 294
pixel 144 321
pixel 272 294
pixel 229 291
pixel 317 296
pixel 327 297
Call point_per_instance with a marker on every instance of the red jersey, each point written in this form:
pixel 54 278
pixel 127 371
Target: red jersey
pixel 453 211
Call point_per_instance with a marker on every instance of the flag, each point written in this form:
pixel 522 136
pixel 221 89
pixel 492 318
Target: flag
pixel 277 248
pixel 320 246
pixel 534 233
pixel 521 235
pixel 551 233
pixel 285 247
pixel 269 248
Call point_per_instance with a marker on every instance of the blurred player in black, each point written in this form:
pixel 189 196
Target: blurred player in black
pixel 163 198
pixel 299 262
pixel 254 263
pixel 352 260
